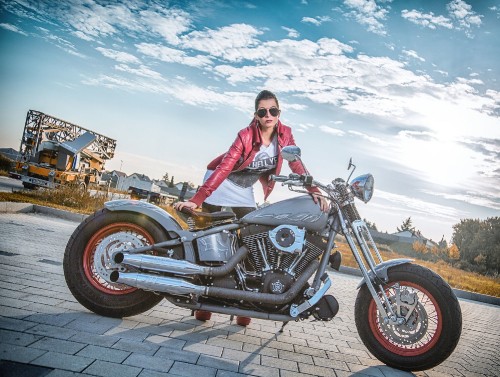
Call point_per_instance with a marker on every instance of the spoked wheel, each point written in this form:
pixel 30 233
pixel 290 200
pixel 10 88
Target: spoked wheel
pixel 430 319
pixel 88 264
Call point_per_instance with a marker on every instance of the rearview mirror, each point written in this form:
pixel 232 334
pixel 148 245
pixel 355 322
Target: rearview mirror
pixel 291 153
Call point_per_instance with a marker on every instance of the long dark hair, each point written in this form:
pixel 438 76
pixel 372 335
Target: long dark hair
pixel 265 94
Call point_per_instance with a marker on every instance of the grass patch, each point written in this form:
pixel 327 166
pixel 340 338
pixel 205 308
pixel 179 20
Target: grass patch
pixel 64 197
pixel 457 278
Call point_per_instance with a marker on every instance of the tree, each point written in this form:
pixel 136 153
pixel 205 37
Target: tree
pixel 443 244
pixel 165 178
pixel 453 252
pixel 475 237
pixel 171 182
pixel 407 225
pixel 370 225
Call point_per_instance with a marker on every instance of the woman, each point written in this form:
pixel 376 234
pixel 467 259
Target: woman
pixel 253 156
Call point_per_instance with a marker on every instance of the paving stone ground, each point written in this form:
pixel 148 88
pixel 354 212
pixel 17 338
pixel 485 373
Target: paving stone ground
pixel 46 332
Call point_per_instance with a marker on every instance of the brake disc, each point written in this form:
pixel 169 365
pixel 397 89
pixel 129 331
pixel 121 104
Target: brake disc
pixel 116 242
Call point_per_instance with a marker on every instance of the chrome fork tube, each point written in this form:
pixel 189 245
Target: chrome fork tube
pixel 364 272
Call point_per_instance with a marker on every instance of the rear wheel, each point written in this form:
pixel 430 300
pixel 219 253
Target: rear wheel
pixel 432 319
pixel 88 256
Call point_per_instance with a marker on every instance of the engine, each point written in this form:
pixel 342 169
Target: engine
pixel 277 256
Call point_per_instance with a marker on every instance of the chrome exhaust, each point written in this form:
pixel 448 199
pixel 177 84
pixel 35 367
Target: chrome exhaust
pixel 178 286
pixel 176 266
pixel 157 283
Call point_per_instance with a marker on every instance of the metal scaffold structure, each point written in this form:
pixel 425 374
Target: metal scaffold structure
pixel 54 152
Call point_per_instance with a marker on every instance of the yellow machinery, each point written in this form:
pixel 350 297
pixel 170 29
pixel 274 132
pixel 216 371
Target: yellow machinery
pixel 55 152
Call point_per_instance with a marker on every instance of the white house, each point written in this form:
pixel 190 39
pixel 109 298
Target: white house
pixel 138 181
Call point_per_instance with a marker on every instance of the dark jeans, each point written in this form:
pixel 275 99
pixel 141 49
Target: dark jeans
pixel 238 211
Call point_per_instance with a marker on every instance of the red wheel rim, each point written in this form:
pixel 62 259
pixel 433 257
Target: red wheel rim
pixel 431 336
pixel 90 249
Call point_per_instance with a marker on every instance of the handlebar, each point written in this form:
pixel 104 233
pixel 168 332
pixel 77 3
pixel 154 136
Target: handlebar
pixel 293 179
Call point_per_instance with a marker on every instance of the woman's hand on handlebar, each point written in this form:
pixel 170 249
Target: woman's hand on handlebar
pixel 180 205
pixel 323 202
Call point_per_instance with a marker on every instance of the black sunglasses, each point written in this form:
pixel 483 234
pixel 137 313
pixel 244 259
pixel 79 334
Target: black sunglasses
pixel 274 111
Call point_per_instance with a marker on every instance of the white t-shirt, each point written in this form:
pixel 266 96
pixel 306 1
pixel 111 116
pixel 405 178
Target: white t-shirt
pixel 237 189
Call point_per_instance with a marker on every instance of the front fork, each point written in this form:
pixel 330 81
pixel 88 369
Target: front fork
pixel 376 275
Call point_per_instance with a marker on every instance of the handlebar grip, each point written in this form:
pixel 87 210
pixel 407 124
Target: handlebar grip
pixel 279 178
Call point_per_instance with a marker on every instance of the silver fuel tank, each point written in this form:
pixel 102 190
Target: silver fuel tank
pixel 300 211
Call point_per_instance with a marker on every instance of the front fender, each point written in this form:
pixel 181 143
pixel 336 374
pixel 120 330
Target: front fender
pixel 156 213
pixel 382 268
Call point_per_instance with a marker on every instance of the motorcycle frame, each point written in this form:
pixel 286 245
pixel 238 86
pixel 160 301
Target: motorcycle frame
pixel 376 274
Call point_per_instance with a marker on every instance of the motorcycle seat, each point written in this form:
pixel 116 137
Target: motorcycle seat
pixel 204 219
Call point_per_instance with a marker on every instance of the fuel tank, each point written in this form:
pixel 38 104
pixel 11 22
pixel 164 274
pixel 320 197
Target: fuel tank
pixel 300 211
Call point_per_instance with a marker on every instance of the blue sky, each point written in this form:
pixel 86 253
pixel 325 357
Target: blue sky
pixel 408 89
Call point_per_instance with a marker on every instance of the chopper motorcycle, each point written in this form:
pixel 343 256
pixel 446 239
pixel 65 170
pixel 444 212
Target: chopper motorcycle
pixel 271 264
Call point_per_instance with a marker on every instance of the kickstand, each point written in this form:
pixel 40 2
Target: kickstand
pixel 283 326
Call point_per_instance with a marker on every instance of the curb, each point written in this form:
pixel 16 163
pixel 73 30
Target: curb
pixel 11 207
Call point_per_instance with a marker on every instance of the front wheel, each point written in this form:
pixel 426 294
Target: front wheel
pixel 432 319
pixel 88 256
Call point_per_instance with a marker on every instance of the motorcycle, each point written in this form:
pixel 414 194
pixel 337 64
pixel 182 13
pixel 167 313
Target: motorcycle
pixel 271 264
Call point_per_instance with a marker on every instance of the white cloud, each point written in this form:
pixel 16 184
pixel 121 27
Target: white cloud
pixel 13 28
pixel 368 13
pixel 142 71
pixel 171 55
pixel 471 197
pixel 317 21
pixel 418 206
pixel 292 33
pixel 59 42
pixel 371 139
pixel 169 23
pixel 331 130
pixel 304 127
pixel 119 56
pixel 462 13
pixel 233 43
pixel 426 19
pixel 413 54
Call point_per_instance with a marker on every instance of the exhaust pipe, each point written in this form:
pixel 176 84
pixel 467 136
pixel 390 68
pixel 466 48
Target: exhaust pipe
pixel 233 311
pixel 151 282
pixel 171 285
pixel 176 266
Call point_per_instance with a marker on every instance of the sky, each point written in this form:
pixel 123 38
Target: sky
pixel 409 89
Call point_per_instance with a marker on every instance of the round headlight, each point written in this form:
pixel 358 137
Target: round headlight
pixel 362 187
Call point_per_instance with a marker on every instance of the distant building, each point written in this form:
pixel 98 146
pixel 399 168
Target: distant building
pixel 413 236
pixel 110 179
pixel 173 193
pixel 10 153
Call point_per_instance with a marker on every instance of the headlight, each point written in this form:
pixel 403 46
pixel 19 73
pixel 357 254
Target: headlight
pixel 362 187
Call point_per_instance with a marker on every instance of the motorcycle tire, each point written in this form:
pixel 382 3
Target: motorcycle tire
pixel 84 276
pixel 431 332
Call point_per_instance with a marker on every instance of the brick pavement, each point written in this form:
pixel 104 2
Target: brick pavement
pixel 43 330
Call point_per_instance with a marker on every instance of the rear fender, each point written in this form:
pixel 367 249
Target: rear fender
pixel 381 270
pixel 156 213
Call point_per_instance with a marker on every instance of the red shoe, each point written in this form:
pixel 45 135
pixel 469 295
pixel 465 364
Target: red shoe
pixel 243 321
pixel 202 315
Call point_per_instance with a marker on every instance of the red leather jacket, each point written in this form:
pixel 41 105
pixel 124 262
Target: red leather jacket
pixel 241 154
